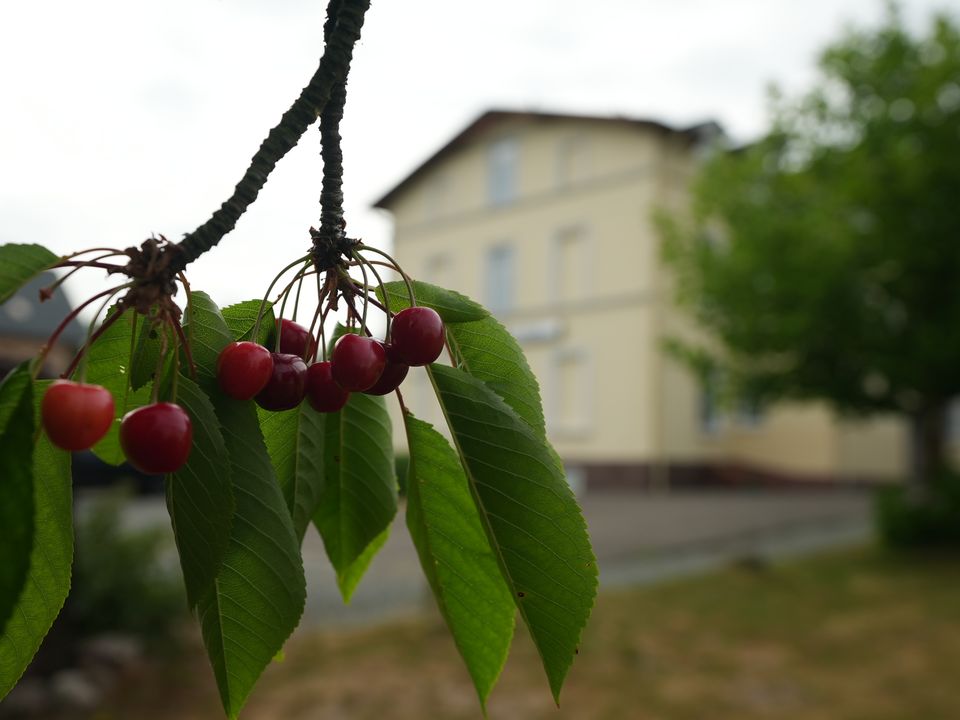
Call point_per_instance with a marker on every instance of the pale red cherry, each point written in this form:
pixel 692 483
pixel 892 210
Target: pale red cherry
pixel 76 415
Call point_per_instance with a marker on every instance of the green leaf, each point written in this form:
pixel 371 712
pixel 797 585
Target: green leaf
pixel 108 364
pixel 16 486
pixel 200 495
pixel 146 353
pixel 350 577
pixel 247 614
pixel 488 352
pixel 295 441
pixel 358 499
pixel 242 317
pixel 19 263
pixel 48 579
pixel 450 305
pixel 456 556
pixel 529 513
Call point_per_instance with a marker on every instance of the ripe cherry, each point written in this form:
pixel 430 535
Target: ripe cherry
pixel 287 383
pixel 243 369
pixel 393 373
pixel 295 339
pixel 156 438
pixel 323 392
pixel 76 415
pixel 357 362
pixel 417 333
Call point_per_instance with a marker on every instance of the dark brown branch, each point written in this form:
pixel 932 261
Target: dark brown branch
pixel 281 139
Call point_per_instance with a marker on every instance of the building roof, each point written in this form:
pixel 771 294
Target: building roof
pixel 493 117
pixel 24 316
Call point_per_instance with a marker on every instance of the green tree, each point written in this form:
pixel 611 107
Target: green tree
pixel 824 259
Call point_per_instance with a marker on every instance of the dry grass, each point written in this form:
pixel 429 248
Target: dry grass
pixel 855 635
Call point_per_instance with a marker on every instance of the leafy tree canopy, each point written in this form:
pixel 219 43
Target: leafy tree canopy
pixel 824 259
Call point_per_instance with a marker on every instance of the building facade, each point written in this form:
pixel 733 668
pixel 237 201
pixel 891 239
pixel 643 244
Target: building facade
pixel 548 220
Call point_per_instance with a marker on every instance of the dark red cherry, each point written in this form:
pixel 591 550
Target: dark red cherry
pixel 357 362
pixel 393 373
pixel 156 438
pixel 243 369
pixel 76 415
pixel 295 339
pixel 287 383
pixel 323 392
pixel 417 333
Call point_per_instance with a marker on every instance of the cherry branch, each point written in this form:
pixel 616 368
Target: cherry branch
pixel 331 192
pixel 334 65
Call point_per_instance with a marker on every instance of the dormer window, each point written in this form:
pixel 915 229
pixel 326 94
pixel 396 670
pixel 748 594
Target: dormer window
pixel 502 168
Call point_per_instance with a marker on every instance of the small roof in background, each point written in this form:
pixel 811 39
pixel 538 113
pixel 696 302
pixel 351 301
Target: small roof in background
pixel 24 316
pixel 700 131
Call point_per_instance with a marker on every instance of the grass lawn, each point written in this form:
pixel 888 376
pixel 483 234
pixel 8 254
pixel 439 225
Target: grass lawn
pixel 851 635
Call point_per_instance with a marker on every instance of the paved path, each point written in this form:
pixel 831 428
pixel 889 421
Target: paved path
pixel 637 537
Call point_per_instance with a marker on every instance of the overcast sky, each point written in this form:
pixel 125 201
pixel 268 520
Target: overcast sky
pixel 122 118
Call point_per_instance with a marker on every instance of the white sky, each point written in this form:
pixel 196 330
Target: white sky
pixel 119 118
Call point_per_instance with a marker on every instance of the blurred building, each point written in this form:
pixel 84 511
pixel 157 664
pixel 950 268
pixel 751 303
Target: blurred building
pixel 26 323
pixel 547 219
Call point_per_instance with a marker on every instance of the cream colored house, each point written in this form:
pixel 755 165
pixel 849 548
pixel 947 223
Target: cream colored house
pixel 547 220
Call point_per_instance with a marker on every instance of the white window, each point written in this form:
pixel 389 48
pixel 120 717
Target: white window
pixel 500 278
pixel 437 197
pixel 570 267
pixel 570 401
pixel 502 165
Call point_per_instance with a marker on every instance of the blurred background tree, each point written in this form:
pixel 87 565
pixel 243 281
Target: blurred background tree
pixel 824 259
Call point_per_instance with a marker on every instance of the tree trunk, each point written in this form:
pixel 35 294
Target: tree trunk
pixel 928 448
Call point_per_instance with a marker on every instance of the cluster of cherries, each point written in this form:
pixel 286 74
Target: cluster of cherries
pixel 281 380
pixel 155 438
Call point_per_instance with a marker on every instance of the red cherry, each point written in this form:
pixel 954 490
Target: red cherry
pixel 76 415
pixel 243 369
pixel 357 362
pixel 393 373
pixel 417 333
pixel 157 438
pixel 295 339
pixel 287 383
pixel 323 392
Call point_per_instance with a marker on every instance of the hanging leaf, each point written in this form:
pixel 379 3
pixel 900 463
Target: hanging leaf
pixel 16 486
pixel 20 263
pixel 247 614
pixel 456 556
pixel 108 364
pixel 529 513
pixel 349 578
pixel 200 495
pixel 48 578
pixel 450 305
pixel 295 440
pixel 242 317
pixel 359 494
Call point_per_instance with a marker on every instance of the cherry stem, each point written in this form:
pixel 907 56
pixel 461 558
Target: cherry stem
pixel 178 334
pixel 78 264
pixel 321 295
pixel 155 391
pixel 78 253
pixel 189 313
pixel 45 350
pixel 104 326
pixel 366 299
pixel 263 303
pixel 395 266
pixel 50 289
pixel 386 299
pixel 186 347
pixel 84 352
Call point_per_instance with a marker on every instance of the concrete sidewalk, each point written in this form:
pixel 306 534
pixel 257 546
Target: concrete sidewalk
pixel 638 538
